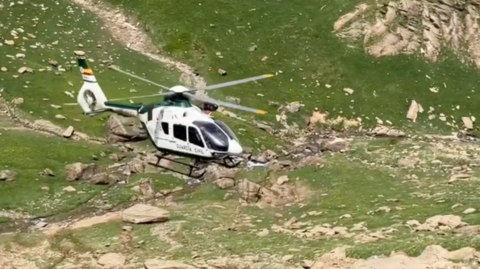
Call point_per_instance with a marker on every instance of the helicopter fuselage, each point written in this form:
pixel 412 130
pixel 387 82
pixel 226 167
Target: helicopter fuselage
pixel 189 132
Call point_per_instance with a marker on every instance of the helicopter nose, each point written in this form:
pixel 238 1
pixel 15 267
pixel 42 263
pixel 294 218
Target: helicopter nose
pixel 234 148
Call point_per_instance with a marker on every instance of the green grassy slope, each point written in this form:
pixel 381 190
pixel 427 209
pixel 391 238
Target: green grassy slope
pixel 28 154
pixel 58 29
pixel 73 29
pixel 297 37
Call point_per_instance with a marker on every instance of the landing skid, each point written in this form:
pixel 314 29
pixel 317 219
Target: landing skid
pixel 192 167
pixel 227 162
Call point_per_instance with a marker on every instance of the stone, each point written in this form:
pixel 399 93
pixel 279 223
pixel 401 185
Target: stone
pixel 335 145
pixel 466 253
pixel 165 264
pixel 102 178
pixel 264 232
pixel 68 132
pixel 249 191
pixel 467 122
pixel 74 171
pixel 413 111
pixel 122 129
pixel 293 107
pixel 142 213
pixel 79 53
pixel 469 211
pixel 7 175
pixel 145 187
pixel 112 261
pixel 287 257
pixel 69 189
pixel 282 179
pixel 307 264
pixel 48 172
pixel 18 101
pixel 222 72
pixel 225 183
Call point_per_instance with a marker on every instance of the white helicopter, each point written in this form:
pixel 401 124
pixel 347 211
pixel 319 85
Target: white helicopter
pixel 174 126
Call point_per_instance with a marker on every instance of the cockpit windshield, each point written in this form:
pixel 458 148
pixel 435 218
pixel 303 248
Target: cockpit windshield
pixel 226 129
pixel 214 137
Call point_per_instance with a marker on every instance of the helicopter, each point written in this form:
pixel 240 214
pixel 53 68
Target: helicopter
pixel 174 126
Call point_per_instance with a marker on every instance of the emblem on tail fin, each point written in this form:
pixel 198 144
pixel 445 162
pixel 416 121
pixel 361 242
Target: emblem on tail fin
pixel 90 97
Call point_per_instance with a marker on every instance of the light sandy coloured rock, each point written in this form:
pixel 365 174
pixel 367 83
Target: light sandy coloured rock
pixel 167 264
pixel 142 213
pixel 112 261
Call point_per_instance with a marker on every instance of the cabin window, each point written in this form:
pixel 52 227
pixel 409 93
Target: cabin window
pixel 180 132
pixel 226 129
pixel 165 127
pixel 194 137
pixel 214 137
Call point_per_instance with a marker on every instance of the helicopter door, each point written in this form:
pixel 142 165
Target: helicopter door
pixel 196 140
pixel 180 135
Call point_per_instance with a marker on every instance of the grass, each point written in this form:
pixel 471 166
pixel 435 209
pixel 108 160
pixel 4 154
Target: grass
pixel 298 40
pixel 204 223
pixel 29 159
pixel 70 32
pixel 71 27
pixel 296 36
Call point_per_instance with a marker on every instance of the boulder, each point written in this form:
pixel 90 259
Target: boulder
pixel 7 175
pixel 112 261
pixel 142 213
pixel 122 129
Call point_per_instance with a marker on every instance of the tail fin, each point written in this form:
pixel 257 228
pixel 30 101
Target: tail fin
pixel 90 97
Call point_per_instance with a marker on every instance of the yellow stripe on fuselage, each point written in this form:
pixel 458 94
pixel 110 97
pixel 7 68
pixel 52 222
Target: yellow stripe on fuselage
pixel 87 71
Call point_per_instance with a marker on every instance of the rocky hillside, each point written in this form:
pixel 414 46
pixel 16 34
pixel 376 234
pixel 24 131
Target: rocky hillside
pixel 431 28
pixel 86 195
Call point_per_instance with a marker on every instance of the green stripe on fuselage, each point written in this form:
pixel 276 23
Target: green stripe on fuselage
pixel 123 106
pixel 82 63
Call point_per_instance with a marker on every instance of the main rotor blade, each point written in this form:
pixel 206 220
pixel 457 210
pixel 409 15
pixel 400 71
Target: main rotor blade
pixel 126 98
pixel 204 98
pixel 236 82
pixel 140 96
pixel 137 77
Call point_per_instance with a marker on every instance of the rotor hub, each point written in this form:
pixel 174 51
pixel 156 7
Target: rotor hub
pixel 179 89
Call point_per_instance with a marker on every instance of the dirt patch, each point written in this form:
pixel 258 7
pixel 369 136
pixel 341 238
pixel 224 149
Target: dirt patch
pixel 409 26
pixel 55 228
pixel 17 256
pixel 124 29
pixel 166 231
